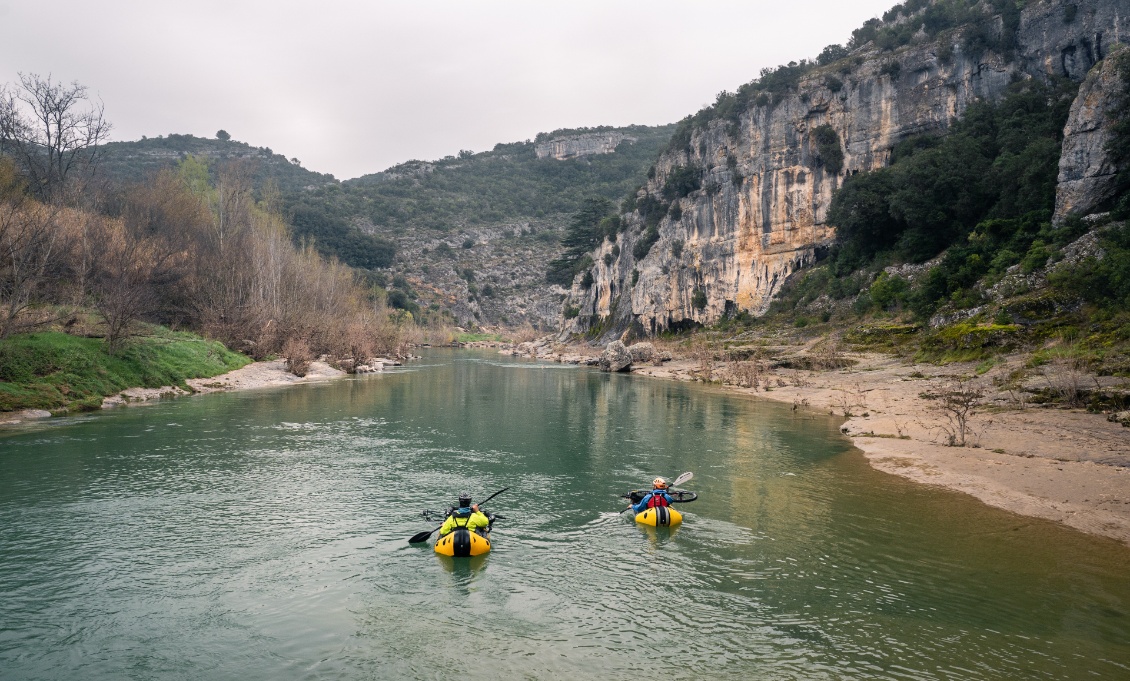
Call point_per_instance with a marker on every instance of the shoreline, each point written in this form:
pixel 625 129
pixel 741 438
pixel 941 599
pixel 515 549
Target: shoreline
pixel 265 374
pixel 1067 466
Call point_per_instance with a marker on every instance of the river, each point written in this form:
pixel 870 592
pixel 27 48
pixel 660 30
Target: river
pixel 262 535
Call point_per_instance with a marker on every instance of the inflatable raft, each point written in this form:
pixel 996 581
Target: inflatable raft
pixel 661 516
pixel 463 543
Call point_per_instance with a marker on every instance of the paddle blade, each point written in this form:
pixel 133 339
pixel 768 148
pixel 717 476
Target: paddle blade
pixel 421 536
pixel 682 478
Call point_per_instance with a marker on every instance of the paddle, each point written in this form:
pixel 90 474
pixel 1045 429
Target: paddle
pixel 423 536
pixel 677 481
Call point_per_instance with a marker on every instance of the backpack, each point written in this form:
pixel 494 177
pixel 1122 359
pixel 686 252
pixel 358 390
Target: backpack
pixel 658 498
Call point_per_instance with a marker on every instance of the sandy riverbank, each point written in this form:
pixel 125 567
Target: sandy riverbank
pixel 254 375
pixel 1068 466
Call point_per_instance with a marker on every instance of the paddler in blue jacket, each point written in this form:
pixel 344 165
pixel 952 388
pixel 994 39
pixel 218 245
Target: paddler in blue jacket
pixel 658 496
pixel 466 515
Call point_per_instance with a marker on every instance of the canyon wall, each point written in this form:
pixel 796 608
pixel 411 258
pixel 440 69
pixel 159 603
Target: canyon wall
pixel 1086 173
pixel 760 212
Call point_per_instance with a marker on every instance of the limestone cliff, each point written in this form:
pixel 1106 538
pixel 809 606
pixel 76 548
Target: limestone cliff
pixel 1086 173
pixel 765 180
pixel 585 144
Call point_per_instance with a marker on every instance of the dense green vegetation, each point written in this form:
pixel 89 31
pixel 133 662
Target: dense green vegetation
pixel 829 151
pixel 903 22
pixel 333 235
pixel 985 192
pixel 59 372
pixel 587 229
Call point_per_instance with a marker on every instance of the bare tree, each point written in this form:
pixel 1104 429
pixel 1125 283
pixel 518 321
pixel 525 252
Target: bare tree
pixel 28 242
pixel 129 272
pixel 51 129
pixel 959 400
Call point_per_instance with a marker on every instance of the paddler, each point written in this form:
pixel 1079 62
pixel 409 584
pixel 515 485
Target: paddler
pixel 465 515
pixel 658 496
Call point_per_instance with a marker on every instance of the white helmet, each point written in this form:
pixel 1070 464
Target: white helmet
pixel 659 483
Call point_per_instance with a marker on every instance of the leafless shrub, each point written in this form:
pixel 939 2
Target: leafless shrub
pixel 1009 383
pixel 828 354
pixel 746 374
pixel 703 355
pixel 524 333
pixel 958 399
pixel 900 425
pixel 850 398
pixel 798 379
pixel 298 356
pixel 744 369
pixel 29 246
pixel 1066 378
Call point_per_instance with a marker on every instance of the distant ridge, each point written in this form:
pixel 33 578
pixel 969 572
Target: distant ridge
pixel 132 161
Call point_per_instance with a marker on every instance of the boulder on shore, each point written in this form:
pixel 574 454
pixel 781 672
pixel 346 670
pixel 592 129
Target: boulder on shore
pixel 615 358
pixel 642 352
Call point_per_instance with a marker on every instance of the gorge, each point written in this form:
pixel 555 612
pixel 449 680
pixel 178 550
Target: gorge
pixel 763 181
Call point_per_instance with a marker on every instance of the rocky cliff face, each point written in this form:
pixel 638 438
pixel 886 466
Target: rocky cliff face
pixel 581 145
pixel 1086 174
pixel 765 187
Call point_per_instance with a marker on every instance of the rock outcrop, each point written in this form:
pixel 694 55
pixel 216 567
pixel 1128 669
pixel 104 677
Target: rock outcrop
pixel 587 144
pixel 764 185
pixel 615 358
pixel 1086 173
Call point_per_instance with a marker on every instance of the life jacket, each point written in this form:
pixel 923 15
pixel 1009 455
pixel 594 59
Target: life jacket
pixel 465 514
pixel 658 498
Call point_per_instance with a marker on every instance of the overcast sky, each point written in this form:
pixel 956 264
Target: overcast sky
pixel 352 87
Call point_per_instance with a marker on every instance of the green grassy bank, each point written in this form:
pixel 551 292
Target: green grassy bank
pixel 63 373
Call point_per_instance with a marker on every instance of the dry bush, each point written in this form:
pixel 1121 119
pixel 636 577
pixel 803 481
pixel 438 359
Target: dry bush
pixel 357 344
pixel 665 345
pixel 298 356
pixel 745 369
pixel 745 374
pixel 1067 378
pixel 703 355
pixel 959 399
pixel 29 247
pixel 851 399
pixel 524 333
pixel 408 335
pixel 1010 383
pixel 828 354
pixel 748 368
pixel 438 334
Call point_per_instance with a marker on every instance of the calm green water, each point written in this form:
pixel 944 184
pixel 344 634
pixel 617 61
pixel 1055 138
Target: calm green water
pixel 262 535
